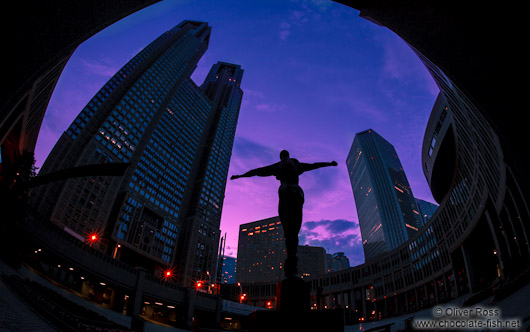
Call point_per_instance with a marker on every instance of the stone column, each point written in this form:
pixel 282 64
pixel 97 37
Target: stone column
pixel 218 311
pixel 353 305
pixel 189 307
pixel 363 299
pixel 436 296
pixel 446 288
pixel 416 300
pixel 469 269
pixel 499 254
pixel 137 324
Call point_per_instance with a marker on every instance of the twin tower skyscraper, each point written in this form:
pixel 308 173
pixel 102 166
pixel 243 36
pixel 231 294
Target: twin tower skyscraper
pixel 165 210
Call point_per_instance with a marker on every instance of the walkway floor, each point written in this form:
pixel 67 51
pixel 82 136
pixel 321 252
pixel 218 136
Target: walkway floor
pixel 15 315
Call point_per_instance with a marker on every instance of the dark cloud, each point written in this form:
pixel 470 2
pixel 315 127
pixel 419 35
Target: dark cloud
pixel 335 236
pixel 249 149
pixel 332 226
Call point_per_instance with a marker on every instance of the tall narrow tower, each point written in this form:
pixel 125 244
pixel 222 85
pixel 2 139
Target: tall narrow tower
pixel 165 211
pixel 200 235
pixel 386 208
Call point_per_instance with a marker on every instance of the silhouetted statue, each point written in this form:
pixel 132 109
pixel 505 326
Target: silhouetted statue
pixel 291 200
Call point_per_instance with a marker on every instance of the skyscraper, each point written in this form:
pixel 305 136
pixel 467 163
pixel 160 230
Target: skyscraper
pixel 165 211
pixel 426 209
pixel 46 30
pixel 386 208
pixel 200 234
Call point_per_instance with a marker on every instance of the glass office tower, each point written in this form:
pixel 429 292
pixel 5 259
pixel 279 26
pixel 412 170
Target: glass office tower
pixel 386 208
pixel 426 209
pixel 165 211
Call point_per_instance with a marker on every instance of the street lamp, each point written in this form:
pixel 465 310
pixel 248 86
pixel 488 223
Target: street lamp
pixel 209 282
pixel 241 297
pixel 116 248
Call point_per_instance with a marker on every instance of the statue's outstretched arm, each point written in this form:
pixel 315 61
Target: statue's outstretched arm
pixel 261 171
pixel 310 167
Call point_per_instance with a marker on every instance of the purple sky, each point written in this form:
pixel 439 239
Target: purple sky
pixel 315 75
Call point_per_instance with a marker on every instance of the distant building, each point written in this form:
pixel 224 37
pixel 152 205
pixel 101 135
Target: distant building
pixel 228 272
pixel 311 261
pixel 426 209
pixel 337 262
pixel 178 137
pixel 386 208
pixel 261 253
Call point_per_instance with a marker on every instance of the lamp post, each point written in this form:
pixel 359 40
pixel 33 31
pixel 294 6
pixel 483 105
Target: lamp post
pixel 209 282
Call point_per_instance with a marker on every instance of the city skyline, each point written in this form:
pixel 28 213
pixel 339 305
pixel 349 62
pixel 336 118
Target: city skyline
pixel 300 56
pixel 343 77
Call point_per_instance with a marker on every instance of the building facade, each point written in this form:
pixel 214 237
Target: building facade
pixel 336 262
pixel 198 250
pixel 311 261
pixel 261 254
pixel 228 270
pixel 260 251
pixel 177 139
pixel 386 208
pixel 426 209
pixel 44 30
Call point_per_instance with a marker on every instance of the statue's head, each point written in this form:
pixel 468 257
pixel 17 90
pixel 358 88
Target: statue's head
pixel 284 154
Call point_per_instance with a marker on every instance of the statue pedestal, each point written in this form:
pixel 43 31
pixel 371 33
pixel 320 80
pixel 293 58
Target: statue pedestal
pixel 293 295
pixel 309 321
pixel 293 312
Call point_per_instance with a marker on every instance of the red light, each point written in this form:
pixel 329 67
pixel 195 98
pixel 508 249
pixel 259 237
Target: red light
pixel 199 284
pixel 93 238
pixel 167 274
